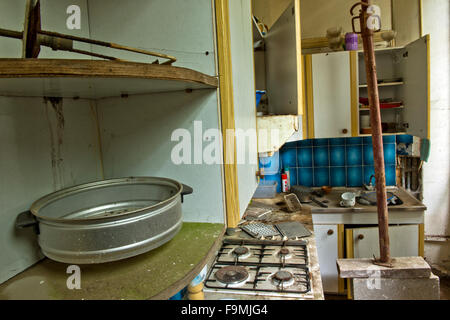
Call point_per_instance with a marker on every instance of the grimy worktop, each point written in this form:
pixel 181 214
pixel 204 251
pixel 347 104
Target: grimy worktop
pixel 334 197
pixel 158 274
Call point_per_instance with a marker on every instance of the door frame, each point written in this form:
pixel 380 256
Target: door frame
pixel 227 110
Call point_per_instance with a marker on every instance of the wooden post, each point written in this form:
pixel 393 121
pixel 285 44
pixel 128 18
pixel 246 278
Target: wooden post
pixel 377 134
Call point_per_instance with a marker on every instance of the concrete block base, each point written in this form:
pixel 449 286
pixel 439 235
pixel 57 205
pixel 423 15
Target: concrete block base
pixel 375 288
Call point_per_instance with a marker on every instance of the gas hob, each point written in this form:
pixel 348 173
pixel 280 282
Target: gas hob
pixel 268 268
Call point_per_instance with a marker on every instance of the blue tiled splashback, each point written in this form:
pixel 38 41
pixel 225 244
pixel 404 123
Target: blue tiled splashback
pixel 337 162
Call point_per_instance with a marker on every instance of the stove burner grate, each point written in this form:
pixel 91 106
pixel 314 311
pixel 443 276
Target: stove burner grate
pixel 232 274
pixel 254 275
pixel 241 252
pixel 283 279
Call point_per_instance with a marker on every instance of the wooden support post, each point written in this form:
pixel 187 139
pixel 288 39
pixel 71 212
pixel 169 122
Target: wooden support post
pixel 377 134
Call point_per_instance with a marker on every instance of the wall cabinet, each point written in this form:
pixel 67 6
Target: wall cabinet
pixel 403 76
pixel 337 89
pixel 278 70
pixel 331 95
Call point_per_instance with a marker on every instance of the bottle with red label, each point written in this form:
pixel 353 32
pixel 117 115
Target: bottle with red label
pixel 284 183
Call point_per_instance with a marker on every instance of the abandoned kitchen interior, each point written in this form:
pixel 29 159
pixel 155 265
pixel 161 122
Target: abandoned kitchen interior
pixel 224 149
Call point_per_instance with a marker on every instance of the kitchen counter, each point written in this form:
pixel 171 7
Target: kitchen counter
pixel 158 274
pixel 334 197
pixel 279 214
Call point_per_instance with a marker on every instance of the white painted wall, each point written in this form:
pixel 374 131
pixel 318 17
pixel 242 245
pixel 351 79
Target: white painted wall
pixel 437 171
pixel 244 96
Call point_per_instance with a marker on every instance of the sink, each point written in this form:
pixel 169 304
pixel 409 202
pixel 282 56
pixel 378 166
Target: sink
pixel 370 199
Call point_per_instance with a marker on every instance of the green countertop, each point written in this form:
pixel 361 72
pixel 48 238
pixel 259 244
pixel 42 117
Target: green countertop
pixel 158 274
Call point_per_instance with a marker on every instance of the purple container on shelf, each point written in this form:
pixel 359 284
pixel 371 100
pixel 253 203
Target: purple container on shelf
pixel 351 41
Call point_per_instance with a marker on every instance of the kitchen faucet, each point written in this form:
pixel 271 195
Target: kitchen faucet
pixel 370 186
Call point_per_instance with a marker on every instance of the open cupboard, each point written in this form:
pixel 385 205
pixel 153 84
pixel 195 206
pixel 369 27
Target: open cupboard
pixel 336 88
pixel 278 71
pixel 66 121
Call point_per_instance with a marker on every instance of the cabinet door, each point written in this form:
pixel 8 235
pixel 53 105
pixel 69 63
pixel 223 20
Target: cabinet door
pixel 416 90
pixel 331 95
pixel 364 243
pixel 328 250
pixel 283 63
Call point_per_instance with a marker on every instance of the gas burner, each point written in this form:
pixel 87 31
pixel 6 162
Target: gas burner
pixel 285 253
pixel 232 275
pixel 283 279
pixel 241 252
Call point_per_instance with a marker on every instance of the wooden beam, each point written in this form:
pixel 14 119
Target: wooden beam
pixel 227 111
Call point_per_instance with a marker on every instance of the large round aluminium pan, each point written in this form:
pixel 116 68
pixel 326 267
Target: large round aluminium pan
pixel 106 220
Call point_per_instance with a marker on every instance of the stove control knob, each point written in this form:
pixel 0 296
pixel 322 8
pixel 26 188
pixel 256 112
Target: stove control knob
pixel 330 232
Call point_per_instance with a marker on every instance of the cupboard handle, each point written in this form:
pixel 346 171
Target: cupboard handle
pixel 330 232
pixel 345 131
pixel 360 237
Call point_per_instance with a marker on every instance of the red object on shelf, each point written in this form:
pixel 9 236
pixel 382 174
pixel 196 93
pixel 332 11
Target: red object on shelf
pixel 383 105
pixel 390 105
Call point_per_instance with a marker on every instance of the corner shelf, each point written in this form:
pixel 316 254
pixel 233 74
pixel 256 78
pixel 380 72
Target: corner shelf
pixel 394 108
pixel 384 84
pixel 384 134
pixel 94 79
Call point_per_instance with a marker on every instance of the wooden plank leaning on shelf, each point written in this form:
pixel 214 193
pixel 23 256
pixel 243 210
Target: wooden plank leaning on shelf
pixel 227 111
